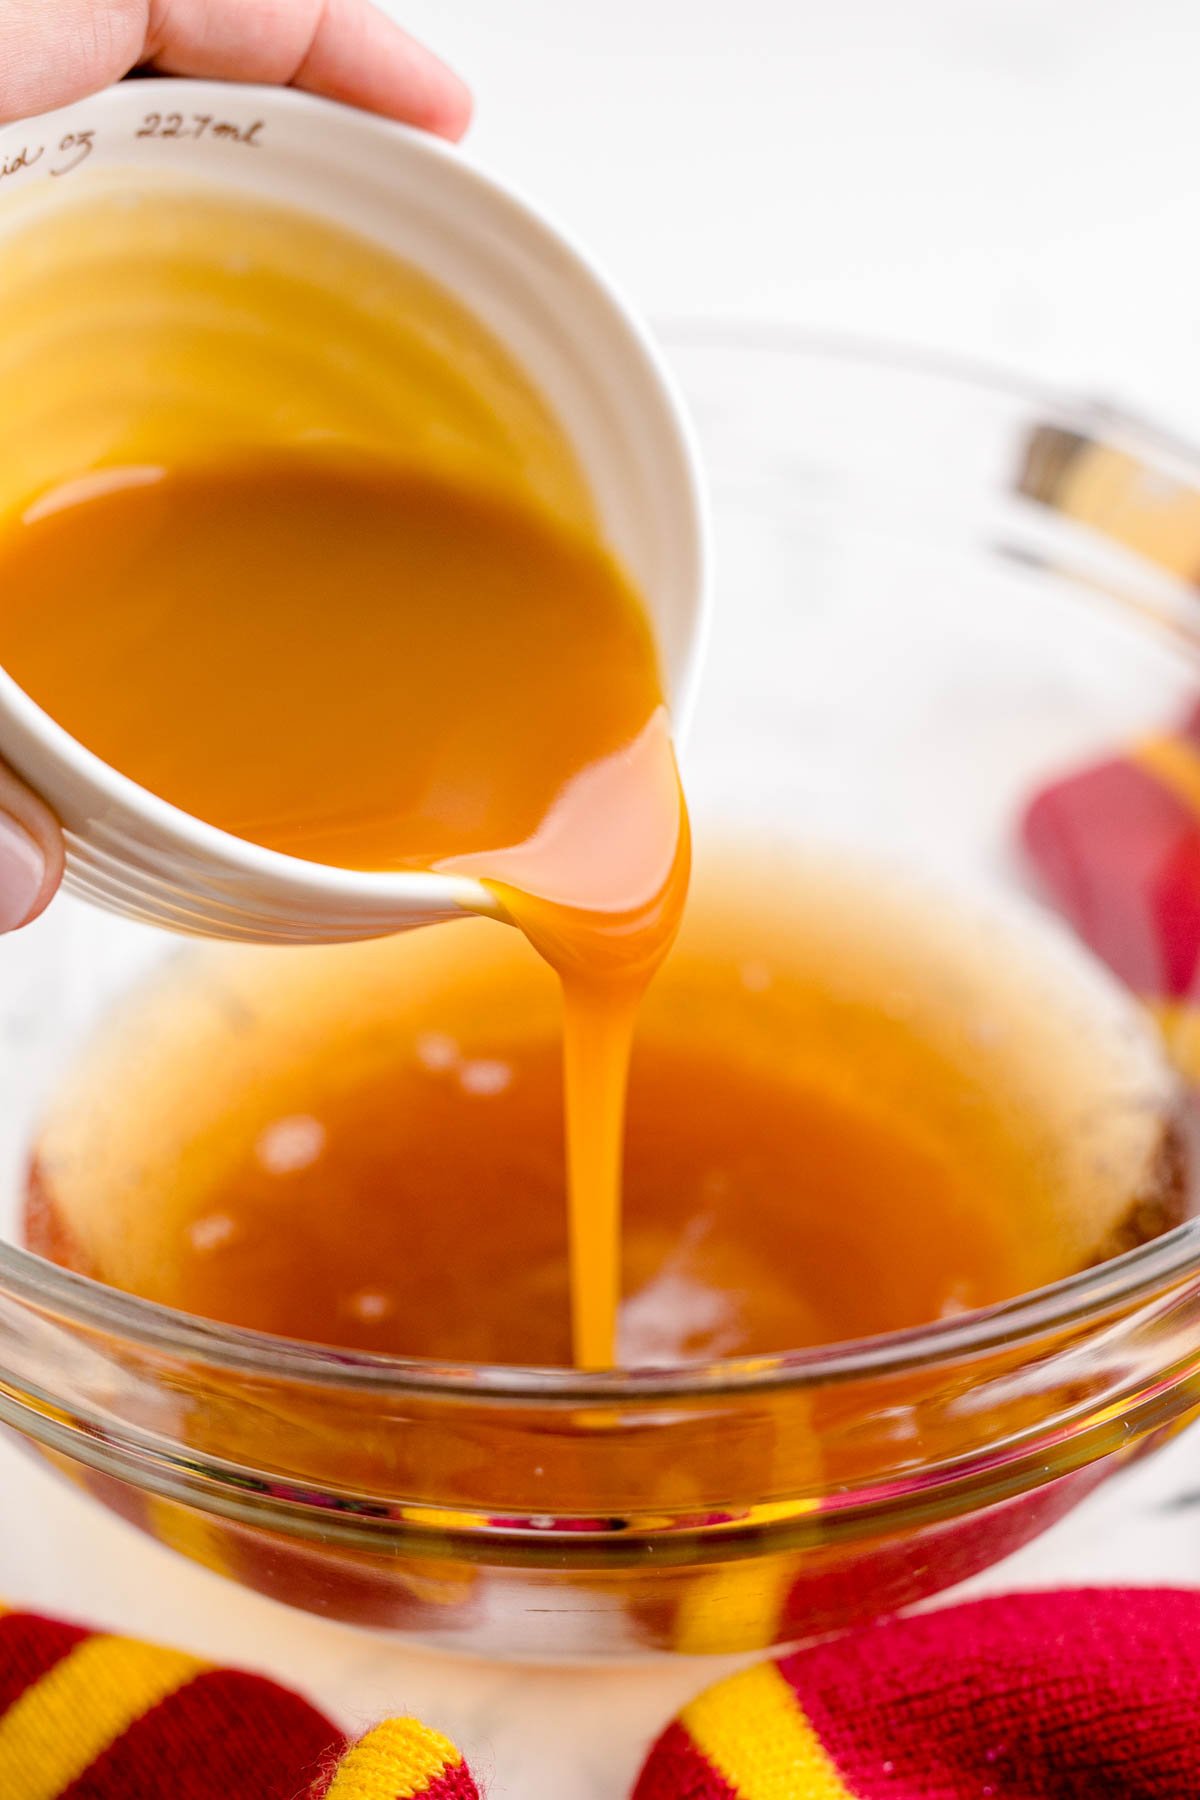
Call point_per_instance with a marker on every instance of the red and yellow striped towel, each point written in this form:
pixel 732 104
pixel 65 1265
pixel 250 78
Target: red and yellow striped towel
pixel 1117 847
pixel 87 1716
pixel 1092 1695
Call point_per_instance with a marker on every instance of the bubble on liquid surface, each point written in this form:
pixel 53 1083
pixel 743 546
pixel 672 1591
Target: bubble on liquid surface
pixel 213 1231
pixel 485 1076
pixel 756 977
pixel 437 1052
pixel 370 1306
pixel 287 1145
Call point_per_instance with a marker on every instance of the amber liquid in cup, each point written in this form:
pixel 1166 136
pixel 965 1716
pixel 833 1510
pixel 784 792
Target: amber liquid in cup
pixel 853 1108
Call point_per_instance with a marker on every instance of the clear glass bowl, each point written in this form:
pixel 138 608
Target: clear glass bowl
pixel 922 614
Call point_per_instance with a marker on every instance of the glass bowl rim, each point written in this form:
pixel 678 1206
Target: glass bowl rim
pixel 1120 1282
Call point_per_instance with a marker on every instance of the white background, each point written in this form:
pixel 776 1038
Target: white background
pixel 1013 179
pixel 1007 179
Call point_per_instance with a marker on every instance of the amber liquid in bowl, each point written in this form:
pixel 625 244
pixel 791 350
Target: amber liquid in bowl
pixel 851 1110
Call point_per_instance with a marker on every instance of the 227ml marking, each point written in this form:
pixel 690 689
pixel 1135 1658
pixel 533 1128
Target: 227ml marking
pixel 198 125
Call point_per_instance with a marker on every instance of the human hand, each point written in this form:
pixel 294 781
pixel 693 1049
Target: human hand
pixel 56 51
pixel 31 853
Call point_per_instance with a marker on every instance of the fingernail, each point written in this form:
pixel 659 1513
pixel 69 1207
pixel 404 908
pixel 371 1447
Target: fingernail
pixel 22 873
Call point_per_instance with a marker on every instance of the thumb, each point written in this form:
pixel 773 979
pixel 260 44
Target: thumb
pixel 31 853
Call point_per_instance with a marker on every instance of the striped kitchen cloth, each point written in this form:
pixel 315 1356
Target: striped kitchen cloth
pixel 1090 1695
pixel 89 1716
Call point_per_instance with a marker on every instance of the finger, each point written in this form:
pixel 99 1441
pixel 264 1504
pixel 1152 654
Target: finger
pixel 56 51
pixel 345 49
pixel 53 54
pixel 360 56
pixel 31 853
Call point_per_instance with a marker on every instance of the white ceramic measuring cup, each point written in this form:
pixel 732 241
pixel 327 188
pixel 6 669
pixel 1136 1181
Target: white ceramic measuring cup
pixel 591 361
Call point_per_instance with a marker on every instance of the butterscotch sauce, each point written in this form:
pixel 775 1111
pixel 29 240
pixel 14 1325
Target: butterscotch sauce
pixel 384 669
pixel 855 1105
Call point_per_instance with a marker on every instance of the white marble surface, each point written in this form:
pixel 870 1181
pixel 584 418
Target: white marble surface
pixel 1001 178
